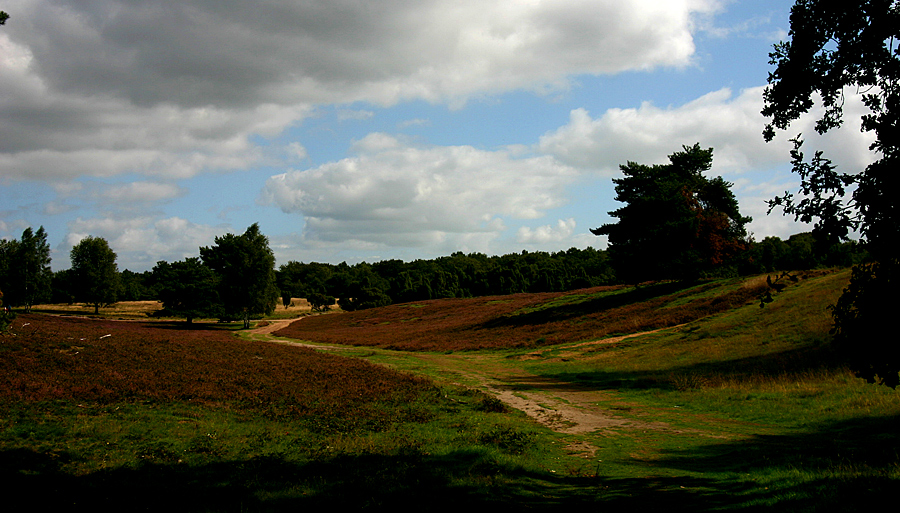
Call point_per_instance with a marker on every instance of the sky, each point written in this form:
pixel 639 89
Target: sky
pixel 356 130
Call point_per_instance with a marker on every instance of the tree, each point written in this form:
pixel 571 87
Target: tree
pixel 31 270
pixel 835 47
pixel 25 268
pixel 676 223
pixel 95 275
pixel 187 288
pixel 320 302
pixel 246 269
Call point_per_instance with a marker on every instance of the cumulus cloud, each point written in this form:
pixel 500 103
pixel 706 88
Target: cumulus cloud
pixel 142 192
pixel 393 193
pixel 172 89
pixel 140 242
pixel 544 234
pixel 732 125
pixel 195 52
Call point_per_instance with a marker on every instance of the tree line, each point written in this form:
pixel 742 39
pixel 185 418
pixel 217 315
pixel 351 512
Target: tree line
pixel 236 277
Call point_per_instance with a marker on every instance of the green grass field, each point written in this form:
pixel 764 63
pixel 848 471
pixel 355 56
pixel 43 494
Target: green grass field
pixel 727 407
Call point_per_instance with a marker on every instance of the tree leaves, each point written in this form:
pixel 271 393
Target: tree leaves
pixel 676 223
pixel 246 268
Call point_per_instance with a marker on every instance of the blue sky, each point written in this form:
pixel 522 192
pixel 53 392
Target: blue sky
pixel 355 131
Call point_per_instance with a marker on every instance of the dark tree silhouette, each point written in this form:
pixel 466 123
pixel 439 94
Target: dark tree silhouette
pixel 676 223
pixel 835 47
pixel 94 272
pixel 246 268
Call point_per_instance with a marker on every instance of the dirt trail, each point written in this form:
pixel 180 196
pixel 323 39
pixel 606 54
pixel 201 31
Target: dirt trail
pixel 561 406
pixel 272 326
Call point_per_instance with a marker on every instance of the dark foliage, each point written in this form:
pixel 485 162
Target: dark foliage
pixel 863 329
pixel 25 269
pixel 676 223
pixel 95 276
pixel 835 46
pixel 245 266
pixel 187 288
pixel 459 275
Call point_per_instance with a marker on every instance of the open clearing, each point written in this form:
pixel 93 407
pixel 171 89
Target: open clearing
pixel 697 400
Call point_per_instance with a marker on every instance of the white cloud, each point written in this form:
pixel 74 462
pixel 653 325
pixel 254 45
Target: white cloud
pixel 414 122
pixel 396 194
pixel 355 115
pixel 731 125
pixel 173 89
pixel 544 234
pixel 142 192
pixel 195 52
pixel 140 242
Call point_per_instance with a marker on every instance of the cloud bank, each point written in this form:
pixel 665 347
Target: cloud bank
pixel 394 193
pixel 172 89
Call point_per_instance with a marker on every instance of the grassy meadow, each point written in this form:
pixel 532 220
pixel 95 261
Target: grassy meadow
pixel 715 404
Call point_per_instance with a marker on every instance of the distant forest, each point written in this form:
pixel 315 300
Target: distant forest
pixel 476 274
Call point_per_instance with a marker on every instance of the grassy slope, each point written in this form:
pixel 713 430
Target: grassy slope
pixel 759 413
pixel 106 413
pixel 780 421
pixel 526 320
pixel 759 410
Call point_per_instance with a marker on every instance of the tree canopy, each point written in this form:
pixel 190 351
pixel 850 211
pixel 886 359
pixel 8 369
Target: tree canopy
pixel 186 288
pixel 25 268
pixel 94 272
pixel 835 49
pixel 246 268
pixel 676 223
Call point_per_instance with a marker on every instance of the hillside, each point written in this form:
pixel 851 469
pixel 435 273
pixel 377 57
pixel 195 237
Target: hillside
pixel 575 400
pixel 528 320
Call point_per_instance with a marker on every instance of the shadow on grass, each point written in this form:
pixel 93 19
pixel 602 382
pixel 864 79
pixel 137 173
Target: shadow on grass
pixel 848 465
pixel 364 482
pixel 590 306
pixel 844 466
pixel 791 364
pixel 181 325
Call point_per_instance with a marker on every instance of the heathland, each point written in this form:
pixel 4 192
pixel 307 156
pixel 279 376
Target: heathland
pixel 683 396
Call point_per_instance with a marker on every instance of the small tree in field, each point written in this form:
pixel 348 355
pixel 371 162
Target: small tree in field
pixel 94 272
pixel 320 302
pixel 246 270
pixel 187 288
pixel 6 317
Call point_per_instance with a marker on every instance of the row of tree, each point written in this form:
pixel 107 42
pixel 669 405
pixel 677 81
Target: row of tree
pixel 366 285
pixel 232 279
pixel 235 278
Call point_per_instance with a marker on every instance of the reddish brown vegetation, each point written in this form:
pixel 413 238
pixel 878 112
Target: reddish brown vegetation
pixel 520 320
pixel 50 358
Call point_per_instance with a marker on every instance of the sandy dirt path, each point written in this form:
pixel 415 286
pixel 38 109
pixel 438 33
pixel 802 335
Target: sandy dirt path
pixel 561 406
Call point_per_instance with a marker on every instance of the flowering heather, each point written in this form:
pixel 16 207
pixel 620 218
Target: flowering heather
pixel 46 358
pixel 523 320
